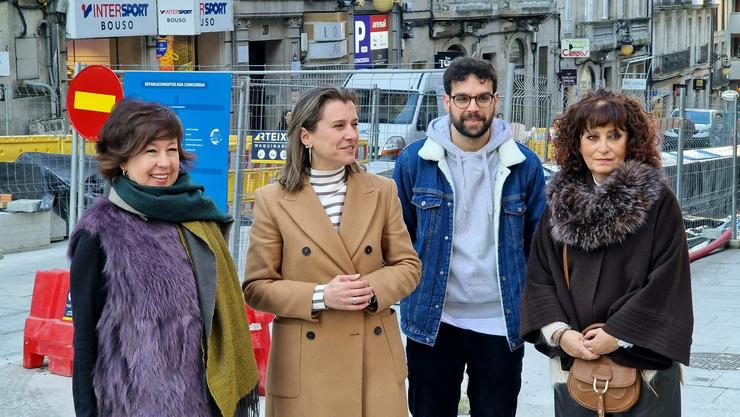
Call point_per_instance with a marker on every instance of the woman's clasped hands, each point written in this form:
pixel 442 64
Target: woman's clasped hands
pixel 589 346
pixel 348 292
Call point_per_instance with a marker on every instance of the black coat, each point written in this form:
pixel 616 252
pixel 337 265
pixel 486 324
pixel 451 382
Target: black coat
pixel 628 263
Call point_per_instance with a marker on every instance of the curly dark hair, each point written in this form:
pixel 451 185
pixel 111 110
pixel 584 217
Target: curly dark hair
pixel 600 108
pixel 461 67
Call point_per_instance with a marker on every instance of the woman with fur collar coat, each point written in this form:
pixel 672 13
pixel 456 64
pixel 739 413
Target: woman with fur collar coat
pixel 627 257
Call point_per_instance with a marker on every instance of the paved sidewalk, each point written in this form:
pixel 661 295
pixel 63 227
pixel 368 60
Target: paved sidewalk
pixel 712 384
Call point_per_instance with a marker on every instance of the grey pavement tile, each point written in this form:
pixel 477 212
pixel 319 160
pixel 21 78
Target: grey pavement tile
pixel 705 318
pixel 15 292
pixel 529 410
pixel 698 347
pixel 733 349
pixel 717 290
pixel 35 393
pixel 725 329
pixel 708 269
pixel 695 394
pixel 11 348
pixel 4 312
pixel 690 409
pixel 729 379
pixel 731 279
pixel 728 256
pixel 13 323
pixel 700 377
pixel 730 398
pixel 699 282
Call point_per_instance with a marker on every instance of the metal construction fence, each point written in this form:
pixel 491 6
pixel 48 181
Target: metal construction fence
pixel 29 109
pixel 395 108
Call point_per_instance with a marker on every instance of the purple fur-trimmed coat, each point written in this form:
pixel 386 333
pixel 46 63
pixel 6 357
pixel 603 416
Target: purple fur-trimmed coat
pixel 148 359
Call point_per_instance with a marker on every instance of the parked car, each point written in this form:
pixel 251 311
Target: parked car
pixel 704 129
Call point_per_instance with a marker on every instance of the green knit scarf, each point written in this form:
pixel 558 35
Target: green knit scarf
pixel 178 203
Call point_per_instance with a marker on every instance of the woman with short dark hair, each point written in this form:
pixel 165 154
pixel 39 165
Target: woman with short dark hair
pixel 611 249
pixel 159 322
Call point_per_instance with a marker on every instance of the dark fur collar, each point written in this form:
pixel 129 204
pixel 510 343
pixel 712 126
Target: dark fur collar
pixel 590 217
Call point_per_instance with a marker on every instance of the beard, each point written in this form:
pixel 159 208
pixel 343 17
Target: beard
pixel 472 132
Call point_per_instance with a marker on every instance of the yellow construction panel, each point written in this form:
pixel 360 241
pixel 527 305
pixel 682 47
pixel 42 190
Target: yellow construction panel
pixel 253 179
pixel 11 147
pixel 65 146
pixel 102 103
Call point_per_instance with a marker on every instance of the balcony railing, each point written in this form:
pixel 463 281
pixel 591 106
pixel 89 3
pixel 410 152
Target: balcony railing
pixel 451 8
pixel 669 63
pixel 703 56
pixel 671 3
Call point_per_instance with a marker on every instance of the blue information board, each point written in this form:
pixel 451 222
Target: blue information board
pixel 202 101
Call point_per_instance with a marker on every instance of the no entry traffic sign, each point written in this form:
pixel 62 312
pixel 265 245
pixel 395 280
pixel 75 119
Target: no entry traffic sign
pixel 92 94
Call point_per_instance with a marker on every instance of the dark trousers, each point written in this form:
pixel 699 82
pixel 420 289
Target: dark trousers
pixel 436 372
pixel 667 403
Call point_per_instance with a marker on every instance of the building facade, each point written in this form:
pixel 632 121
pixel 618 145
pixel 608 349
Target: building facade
pixel 620 44
pixel 683 50
pixel 32 60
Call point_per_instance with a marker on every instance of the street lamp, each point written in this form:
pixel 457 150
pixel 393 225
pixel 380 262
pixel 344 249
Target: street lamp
pixel 624 39
pixel 726 67
pixel 383 5
pixel 725 71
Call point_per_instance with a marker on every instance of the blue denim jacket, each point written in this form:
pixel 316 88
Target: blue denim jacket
pixel 424 187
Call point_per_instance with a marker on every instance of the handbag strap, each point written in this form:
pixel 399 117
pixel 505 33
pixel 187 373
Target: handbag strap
pixel 565 265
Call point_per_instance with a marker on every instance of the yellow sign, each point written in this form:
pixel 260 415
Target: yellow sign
pixel 94 102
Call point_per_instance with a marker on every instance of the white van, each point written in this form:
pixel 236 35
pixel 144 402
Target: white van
pixel 406 103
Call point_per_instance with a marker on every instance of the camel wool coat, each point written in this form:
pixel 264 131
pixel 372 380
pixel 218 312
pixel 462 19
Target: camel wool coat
pixel 336 362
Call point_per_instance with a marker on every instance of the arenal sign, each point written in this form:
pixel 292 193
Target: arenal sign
pixel 91 96
pixel 371 40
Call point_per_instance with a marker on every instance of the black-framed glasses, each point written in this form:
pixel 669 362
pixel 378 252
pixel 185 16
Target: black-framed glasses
pixel 462 101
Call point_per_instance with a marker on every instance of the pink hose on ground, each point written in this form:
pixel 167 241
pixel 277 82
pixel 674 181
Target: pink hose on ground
pixel 711 247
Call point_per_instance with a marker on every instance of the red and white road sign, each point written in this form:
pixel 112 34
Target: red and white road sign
pixel 92 94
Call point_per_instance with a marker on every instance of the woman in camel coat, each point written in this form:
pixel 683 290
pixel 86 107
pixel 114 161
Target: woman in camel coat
pixel 328 255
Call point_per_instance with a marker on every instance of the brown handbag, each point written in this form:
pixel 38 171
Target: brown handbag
pixel 601 385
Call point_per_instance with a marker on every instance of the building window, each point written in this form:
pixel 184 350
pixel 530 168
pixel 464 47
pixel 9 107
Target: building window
pixel 737 6
pixel 516 53
pixel 735 47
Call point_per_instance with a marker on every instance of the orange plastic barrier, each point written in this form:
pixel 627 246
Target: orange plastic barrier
pixel 259 327
pixel 48 331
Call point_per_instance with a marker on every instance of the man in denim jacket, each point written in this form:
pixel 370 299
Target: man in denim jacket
pixel 471 199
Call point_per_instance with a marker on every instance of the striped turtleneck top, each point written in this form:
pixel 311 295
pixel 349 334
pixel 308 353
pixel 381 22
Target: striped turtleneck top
pixel 331 188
